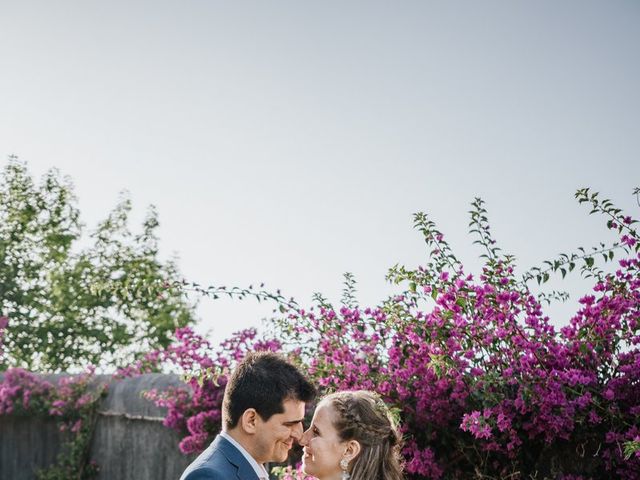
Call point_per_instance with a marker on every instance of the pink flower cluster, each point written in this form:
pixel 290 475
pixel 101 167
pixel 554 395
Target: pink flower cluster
pixel 24 393
pixel 74 400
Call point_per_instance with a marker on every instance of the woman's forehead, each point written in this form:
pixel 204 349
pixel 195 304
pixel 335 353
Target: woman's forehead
pixel 324 412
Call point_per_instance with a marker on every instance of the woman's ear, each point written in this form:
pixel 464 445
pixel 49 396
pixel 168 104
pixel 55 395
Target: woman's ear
pixel 249 420
pixel 352 451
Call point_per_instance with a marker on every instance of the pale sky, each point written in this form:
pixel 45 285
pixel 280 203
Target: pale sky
pixel 290 142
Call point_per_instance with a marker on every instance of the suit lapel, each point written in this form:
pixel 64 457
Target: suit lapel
pixel 245 470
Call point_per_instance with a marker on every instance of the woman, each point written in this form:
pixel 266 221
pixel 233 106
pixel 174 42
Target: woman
pixel 352 436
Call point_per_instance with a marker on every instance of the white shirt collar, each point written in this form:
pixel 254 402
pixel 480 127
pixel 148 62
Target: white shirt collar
pixel 258 467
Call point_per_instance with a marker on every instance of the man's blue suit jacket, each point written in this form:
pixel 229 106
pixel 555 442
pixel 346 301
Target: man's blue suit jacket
pixel 220 461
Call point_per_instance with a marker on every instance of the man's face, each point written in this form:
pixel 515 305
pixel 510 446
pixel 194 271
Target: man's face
pixel 275 437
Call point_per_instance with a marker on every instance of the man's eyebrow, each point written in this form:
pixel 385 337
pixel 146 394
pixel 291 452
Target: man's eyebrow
pixel 293 422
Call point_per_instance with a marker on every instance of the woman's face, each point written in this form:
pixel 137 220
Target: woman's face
pixel 323 448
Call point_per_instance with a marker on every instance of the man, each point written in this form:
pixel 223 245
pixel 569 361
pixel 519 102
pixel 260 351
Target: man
pixel 262 414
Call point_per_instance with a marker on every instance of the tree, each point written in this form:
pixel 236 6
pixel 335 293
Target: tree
pixel 68 306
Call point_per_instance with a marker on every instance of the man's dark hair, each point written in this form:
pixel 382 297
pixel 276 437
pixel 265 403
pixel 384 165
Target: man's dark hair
pixel 263 381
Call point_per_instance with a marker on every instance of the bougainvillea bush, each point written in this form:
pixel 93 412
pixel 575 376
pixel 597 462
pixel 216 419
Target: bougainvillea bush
pixel 484 384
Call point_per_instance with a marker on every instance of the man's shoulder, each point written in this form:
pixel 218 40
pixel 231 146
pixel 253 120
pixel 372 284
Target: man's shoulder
pixel 205 473
pixel 211 464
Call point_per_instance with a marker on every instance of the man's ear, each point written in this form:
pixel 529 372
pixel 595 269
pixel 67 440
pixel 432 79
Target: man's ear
pixel 249 420
pixel 352 451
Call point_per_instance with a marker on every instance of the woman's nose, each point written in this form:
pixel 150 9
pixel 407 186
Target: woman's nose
pixel 303 438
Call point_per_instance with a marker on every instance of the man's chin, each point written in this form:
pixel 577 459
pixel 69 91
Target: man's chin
pixel 282 457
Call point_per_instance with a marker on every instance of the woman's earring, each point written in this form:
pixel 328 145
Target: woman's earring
pixel 344 465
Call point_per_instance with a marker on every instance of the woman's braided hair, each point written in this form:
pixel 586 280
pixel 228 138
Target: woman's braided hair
pixel 364 417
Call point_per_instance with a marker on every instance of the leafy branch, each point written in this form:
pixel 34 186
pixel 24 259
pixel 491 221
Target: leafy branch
pixel 553 296
pixel 322 301
pixel 617 220
pixel 480 225
pixel 441 256
pixel 567 263
pixel 349 291
pixel 236 293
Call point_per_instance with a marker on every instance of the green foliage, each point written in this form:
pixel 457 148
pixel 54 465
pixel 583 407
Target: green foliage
pixel 631 448
pixel 479 225
pixel 236 293
pixel 586 258
pixel 69 307
pixel 349 291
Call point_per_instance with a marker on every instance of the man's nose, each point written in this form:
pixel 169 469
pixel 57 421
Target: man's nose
pixel 297 432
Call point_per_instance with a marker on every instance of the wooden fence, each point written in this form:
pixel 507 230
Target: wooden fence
pixel 129 441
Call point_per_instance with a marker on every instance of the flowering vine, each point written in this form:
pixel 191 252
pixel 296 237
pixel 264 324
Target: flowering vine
pixel 72 402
